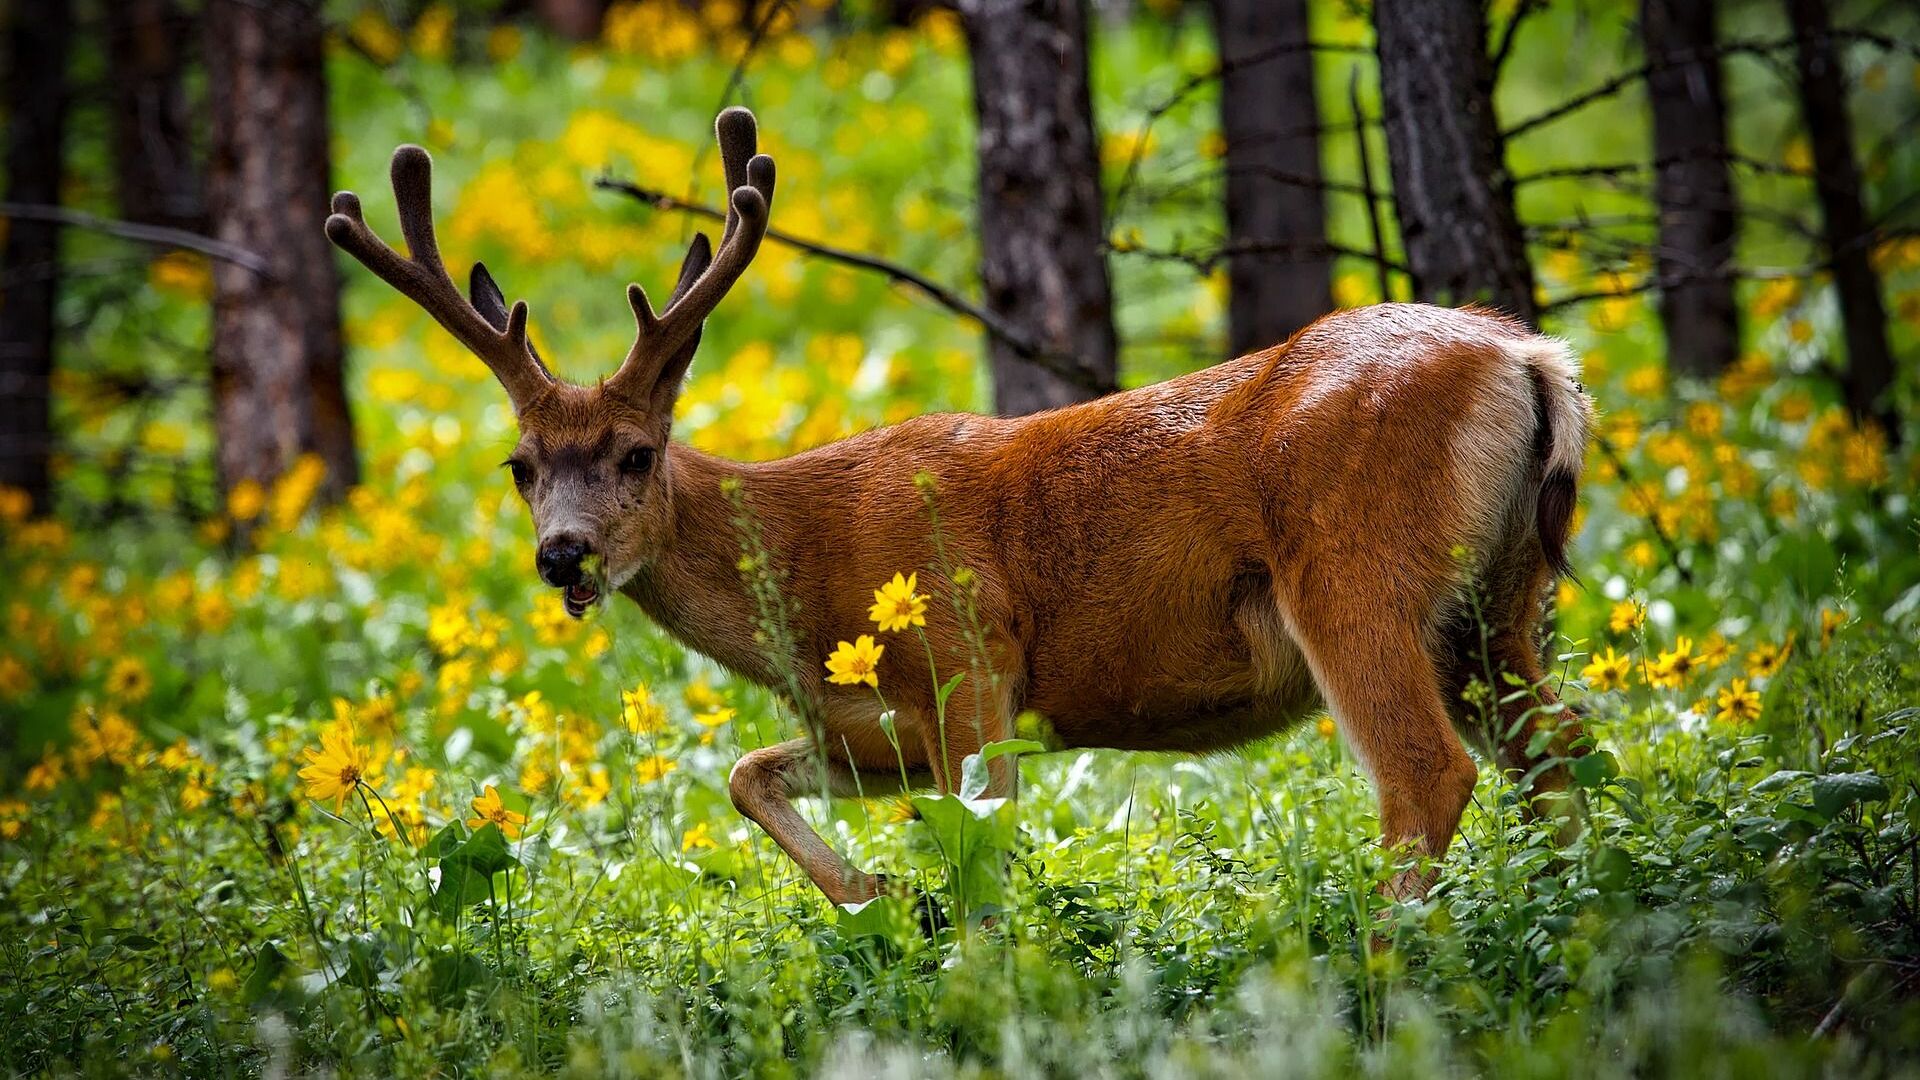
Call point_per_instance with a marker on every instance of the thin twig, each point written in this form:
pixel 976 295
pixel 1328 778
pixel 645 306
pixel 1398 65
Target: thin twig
pixel 1505 49
pixel 1760 47
pixel 159 235
pixel 1204 262
pixel 1067 367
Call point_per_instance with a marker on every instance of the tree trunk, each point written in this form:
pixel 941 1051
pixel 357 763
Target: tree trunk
pixel 1451 189
pixel 575 20
pixel 278 384
pixel 37 40
pixel 1849 234
pixel 156 169
pixel 1268 108
pixel 1042 224
pixel 1693 186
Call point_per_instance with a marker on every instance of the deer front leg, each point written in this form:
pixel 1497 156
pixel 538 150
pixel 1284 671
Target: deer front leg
pixel 763 786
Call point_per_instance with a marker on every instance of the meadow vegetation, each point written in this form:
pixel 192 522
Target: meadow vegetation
pixel 344 790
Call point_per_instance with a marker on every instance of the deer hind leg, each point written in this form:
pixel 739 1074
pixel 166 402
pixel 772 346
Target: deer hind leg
pixel 763 786
pixel 1500 639
pixel 1380 683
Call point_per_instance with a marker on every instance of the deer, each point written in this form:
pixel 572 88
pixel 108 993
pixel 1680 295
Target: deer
pixel 1365 518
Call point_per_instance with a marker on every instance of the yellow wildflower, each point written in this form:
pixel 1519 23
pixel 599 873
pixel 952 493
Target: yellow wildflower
pixel 13 818
pixel 1674 665
pixel 338 767
pixel 640 712
pixel 1767 659
pixel 222 980
pixel 1738 704
pixel 1326 727
pixel 1627 616
pixel 1607 671
pixel 1714 651
pixel 1831 619
pixel 488 809
pixel 128 680
pixel 700 836
pixel 896 606
pixel 856 662
pixel 652 768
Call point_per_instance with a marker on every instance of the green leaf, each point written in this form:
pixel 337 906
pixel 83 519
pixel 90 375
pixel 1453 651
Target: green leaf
pixel 1834 792
pixel 445 841
pixel 882 916
pixel 268 965
pixel 1594 769
pixel 946 691
pixel 460 886
pixel 452 974
pixel 485 851
pixel 973 771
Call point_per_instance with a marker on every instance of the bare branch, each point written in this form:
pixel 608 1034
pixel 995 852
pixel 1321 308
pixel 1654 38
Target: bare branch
pixel 1066 367
pixel 158 235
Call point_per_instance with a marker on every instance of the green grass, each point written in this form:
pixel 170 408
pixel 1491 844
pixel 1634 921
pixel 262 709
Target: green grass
pixel 1741 902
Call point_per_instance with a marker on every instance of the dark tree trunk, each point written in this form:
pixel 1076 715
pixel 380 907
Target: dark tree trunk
pixel 1849 235
pixel 37 43
pixel 1042 223
pixel 278 384
pixel 1451 189
pixel 1693 186
pixel 575 20
pixel 1268 109
pixel 156 169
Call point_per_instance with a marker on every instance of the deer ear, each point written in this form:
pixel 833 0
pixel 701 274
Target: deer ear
pixel 491 303
pixel 667 387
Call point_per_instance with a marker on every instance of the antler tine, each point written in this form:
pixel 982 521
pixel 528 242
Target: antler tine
pixel 702 285
pixel 422 277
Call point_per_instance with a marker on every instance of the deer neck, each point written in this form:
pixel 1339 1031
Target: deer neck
pixel 692 588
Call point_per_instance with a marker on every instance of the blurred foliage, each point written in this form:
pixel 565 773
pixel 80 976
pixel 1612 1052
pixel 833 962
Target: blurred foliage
pixel 524 859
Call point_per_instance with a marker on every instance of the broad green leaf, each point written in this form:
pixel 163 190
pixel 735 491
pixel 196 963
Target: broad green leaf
pixel 1834 792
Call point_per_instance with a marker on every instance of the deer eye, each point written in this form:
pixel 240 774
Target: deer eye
pixel 638 462
pixel 521 474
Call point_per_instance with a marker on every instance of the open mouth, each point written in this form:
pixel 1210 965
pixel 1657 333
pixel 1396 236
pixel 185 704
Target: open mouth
pixel 580 596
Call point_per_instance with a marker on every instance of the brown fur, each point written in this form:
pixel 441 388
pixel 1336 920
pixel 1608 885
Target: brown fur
pixel 1188 566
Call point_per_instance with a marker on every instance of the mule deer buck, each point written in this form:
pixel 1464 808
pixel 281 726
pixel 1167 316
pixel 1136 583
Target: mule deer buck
pixel 1186 567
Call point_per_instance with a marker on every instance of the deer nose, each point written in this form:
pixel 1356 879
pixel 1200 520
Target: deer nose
pixel 559 561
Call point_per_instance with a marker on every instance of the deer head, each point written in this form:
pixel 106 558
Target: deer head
pixel 592 462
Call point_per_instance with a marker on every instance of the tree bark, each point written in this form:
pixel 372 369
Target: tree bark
pixel 1693 186
pixel 1451 189
pixel 156 169
pixel 278 381
pixel 37 39
pixel 575 20
pixel 1042 222
pixel 1267 107
pixel 1848 233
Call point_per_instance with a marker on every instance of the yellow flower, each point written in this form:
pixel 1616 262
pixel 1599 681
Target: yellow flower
pixel 701 697
pixel 652 768
pixel 896 606
pixel 1738 704
pixel 1607 671
pixel 590 789
pixel 1627 616
pixel 1831 619
pixel 1674 665
pixel 223 980
pixel 128 680
pixel 47 773
pixel 338 767
pixel 856 662
pixel 1714 651
pixel 414 784
pixel 1767 659
pixel 640 712
pixel 1326 727
pixel 13 818
pixel 700 836
pixel 487 808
